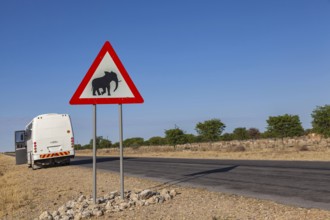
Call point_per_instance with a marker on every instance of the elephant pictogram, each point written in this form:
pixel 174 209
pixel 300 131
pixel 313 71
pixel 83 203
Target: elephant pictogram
pixel 104 83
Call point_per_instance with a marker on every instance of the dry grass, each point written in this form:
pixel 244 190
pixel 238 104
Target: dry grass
pixel 244 150
pixel 24 194
pixel 12 194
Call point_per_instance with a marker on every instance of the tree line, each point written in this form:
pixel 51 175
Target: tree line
pixel 212 130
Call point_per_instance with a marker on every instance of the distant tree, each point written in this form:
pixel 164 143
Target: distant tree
pixel 157 140
pixel 115 145
pixel 227 137
pixel 133 142
pixel 105 143
pixel 266 135
pixel 308 131
pixel 97 141
pixel 210 130
pixel 321 120
pixel 241 133
pixel 101 142
pixel 77 147
pixel 175 136
pixel 284 126
pixel 192 138
pixel 87 146
pixel 254 133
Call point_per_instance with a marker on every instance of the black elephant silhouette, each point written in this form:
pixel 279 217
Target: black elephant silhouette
pixel 104 83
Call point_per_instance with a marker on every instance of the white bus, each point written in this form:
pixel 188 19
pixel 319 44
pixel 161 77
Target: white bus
pixel 49 140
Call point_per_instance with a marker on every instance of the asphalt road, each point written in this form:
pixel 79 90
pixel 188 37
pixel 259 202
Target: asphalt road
pixel 299 183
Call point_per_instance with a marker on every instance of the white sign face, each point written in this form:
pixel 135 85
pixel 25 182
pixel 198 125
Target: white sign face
pixel 105 80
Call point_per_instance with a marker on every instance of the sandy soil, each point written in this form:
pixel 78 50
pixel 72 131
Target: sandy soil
pixel 24 194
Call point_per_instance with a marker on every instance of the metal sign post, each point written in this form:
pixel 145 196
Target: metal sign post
pixel 121 150
pixel 94 154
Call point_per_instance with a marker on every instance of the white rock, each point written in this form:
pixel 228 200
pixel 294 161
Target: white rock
pixel 115 193
pixel 45 216
pixel 65 217
pixel 109 211
pixel 109 206
pixel 146 194
pixel 131 203
pixel 116 209
pixel 173 193
pixel 84 204
pixel 140 203
pixel 151 200
pixel 62 210
pixel 94 207
pixel 55 213
pixel 70 212
pixel 167 197
pixel 86 214
pixel 81 198
pixel 161 199
pixel 163 192
pixel 97 213
pixel 100 200
pixel 118 200
pixel 134 196
pixel 109 197
pixel 123 205
pixel 79 208
pixel 77 216
pixel 70 204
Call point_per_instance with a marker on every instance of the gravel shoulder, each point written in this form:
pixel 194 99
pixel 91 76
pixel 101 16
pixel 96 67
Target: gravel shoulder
pixel 25 194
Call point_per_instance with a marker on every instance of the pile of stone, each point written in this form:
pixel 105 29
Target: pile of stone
pixel 84 208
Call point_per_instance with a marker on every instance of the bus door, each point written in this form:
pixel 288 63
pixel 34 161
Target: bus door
pixel 20 147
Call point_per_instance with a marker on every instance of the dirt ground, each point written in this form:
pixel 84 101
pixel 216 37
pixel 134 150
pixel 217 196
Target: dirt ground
pixel 25 193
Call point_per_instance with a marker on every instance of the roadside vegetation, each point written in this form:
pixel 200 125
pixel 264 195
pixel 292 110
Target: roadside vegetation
pixel 278 127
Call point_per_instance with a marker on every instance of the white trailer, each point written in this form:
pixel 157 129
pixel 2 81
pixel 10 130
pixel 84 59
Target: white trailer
pixel 49 140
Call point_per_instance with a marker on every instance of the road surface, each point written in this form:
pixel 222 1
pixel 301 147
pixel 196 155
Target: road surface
pixel 299 183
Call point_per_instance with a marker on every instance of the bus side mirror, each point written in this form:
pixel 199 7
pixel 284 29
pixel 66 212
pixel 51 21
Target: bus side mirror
pixel 19 137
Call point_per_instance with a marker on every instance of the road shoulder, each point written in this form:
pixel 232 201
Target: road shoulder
pixel 27 193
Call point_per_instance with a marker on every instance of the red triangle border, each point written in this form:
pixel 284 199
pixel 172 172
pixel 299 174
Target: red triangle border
pixel 76 100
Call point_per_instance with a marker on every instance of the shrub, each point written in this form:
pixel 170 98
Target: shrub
pixel 238 149
pixel 304 148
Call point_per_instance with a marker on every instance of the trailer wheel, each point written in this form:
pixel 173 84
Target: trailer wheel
pixel 34 167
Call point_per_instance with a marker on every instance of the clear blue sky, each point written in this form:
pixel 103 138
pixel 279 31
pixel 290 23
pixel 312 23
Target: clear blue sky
pixel 237 60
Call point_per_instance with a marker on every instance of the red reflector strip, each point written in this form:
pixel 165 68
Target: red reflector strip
pixel 64 153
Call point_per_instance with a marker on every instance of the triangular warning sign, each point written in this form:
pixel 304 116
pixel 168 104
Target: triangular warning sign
pixel 106 82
